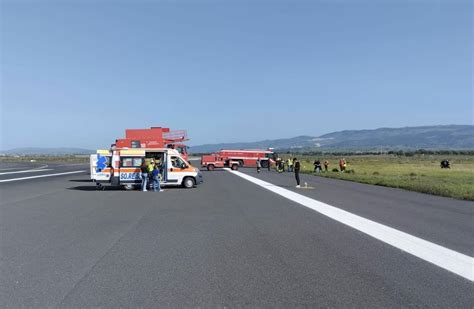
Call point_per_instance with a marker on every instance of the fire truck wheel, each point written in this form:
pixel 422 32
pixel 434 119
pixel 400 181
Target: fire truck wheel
pixel 241 162
pixel 264 164
pixel 234 167
pixel 210 167
pixel 188 182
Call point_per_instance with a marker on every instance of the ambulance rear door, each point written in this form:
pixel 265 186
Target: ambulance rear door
pixel 100 166
pixel 130 162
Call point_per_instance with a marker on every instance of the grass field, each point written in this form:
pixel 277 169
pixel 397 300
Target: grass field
pixel 420 173
pixel 46 159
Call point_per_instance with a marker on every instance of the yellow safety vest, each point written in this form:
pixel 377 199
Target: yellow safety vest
pixel 150 167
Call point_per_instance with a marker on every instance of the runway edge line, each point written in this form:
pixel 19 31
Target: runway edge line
pixel 40 176
pixel 453 261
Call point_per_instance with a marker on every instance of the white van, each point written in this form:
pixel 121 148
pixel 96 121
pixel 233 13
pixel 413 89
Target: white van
pixel 122 167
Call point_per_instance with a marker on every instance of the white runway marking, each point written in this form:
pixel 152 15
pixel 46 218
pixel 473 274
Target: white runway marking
pixel 15 168
pixel 40 176
pixel 458 263
pixel 75 164
pixel 27 171
pixel 8 169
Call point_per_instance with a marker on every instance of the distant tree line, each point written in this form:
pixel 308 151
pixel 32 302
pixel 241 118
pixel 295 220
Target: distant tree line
pixel 401 153
pixel 405 153
pixel 432 152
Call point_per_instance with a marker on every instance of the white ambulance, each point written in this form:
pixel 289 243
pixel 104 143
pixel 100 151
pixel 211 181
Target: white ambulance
pixel 122 167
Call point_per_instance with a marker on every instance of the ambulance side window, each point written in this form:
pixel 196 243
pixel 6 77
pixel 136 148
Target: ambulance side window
pixel 177 162
pixel 137 162
pixel 126 162
pixel 130 162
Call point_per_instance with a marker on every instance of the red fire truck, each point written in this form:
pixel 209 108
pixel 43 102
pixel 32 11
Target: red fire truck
pixel 155 137
pixel 245 158
pixel 213 161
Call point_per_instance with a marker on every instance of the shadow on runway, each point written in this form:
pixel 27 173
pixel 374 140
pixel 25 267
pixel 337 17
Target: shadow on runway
pixel 116 188
pixel 94 188
pixel 284 186
pixel 84 188
pixel 81 180
pixel 214 171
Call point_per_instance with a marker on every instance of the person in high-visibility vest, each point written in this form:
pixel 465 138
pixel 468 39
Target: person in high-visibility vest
pixel 290 165
pixel 280 166
pixel 150 167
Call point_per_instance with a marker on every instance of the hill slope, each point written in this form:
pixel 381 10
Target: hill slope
pixel 427 137
pixel 27 151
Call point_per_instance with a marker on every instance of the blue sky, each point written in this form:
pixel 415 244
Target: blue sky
pixel 78 74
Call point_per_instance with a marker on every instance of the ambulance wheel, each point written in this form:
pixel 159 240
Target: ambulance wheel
pixel 128 187
pixel 234 167
pixel 188 182
pixel 210 167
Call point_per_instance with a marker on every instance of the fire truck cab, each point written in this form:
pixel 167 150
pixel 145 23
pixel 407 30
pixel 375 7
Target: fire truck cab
pixel 122 167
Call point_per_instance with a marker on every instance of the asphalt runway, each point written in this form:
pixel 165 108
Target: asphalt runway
pixel 14 172
pixel 227 242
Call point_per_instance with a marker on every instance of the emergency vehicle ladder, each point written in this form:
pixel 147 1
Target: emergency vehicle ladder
pixel 175 136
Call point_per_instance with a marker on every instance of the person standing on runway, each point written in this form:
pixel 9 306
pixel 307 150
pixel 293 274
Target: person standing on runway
pixel 290 165
pixel 155 176
pixel 296 168
pixel 144 175
pixel 259 165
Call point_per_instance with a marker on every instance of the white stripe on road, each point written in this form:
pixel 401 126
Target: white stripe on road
pixel 75 164
pixel 8 169
pixel 27 171
pixel 15 168
pixel 458 263
pixel 41 176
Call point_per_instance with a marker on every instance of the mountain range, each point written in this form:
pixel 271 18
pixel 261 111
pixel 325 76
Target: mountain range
pixel 62 151
pixel 445 137
pixel 408 138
